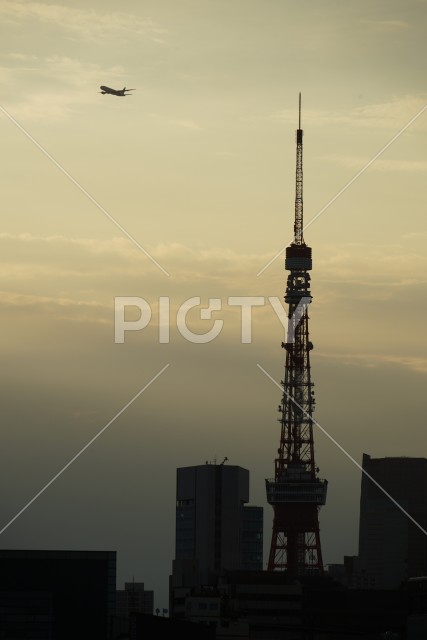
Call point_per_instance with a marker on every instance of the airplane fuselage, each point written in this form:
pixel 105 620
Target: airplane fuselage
pixel 114 92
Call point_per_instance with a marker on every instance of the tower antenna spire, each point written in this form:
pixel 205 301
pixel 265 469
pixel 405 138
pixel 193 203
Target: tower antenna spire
pixel 298 224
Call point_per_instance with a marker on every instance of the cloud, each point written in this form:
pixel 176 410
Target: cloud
pixel 366 298
pixel 23 301
pixel 91 269
pixel 72 71
pixel 182 123
pixel 67 255
pixel 374 360
pixel 50 106
pixel 356 162
pixel 385 26
pixel 83 23
pixel 392 115
pixel 94 271
pixel 59 85
pixel 21 56
pixel 415 235
pixel 394 266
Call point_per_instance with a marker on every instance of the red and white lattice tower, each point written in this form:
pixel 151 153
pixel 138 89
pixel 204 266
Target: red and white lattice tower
pixel 296 493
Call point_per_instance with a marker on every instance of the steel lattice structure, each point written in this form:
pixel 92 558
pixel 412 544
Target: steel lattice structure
pixel 296 493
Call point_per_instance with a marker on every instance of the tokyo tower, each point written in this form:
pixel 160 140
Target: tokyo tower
pixel 296 493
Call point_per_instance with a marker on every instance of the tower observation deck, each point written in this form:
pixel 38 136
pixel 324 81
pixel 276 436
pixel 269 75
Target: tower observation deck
pixel 296 493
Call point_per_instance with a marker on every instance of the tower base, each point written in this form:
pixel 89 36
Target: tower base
pixel 295 543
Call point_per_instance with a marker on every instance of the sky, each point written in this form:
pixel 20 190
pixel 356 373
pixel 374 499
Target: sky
pixel 186 189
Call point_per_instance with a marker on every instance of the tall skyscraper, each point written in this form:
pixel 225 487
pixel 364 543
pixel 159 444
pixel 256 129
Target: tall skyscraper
pixel 391 547
pixel 215 530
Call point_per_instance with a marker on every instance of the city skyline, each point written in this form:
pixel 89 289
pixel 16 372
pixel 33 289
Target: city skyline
pixel 198 166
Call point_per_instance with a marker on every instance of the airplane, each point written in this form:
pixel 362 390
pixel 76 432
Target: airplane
pixel 114 92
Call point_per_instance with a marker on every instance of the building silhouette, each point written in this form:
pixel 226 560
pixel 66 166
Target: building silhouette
pixel 391 547
pixel 274 605
pixel 57 595
pixel 215 529
pixel 134 598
